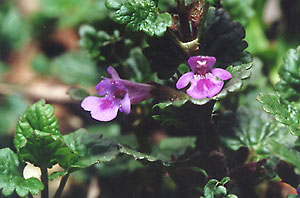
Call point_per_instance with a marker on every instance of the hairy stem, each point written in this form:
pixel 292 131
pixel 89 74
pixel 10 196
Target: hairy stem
pixel 61 187
pixel 44 178
pixel 205 5
pixel 183 19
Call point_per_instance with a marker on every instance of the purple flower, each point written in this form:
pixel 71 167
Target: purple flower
pixel 118 94
pixel 205 81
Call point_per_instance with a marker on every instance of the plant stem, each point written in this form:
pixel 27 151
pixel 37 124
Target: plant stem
pixel 183 18
pixel 44 178
pixel 203 19
pixel 61 187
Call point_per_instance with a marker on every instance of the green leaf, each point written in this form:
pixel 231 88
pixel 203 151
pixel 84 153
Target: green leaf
pixel 240 11
pixel 210 187
pixel 11 109
pixel 39 117
pixel 3 69
pixel 231 196
pixel 138 66
pixel 292 196
pixel 77 93
pixel 13 28
pixel 75 68
pixel 252 129
pixel 173 146
pixel 216 189
pixel 284 153
pixel 38 139
pixel 91 149
pixel 11 179
pixel 57 174
pixel 140 15
pixel 82 11
pixel 102 47
pixel 289 72
pixel 221 191
pixel 138 155
pixel 285 113
pixel 41 64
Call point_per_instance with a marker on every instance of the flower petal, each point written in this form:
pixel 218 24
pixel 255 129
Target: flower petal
pixel 113 73
pixel 102 109
pixel 125 104
pixel 221 73
pixel 194 63
pixel 198 89
pixel 184 80
pixel 213 86
pixel 104 86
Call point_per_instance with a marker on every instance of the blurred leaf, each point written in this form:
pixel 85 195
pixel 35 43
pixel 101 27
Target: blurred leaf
pixel 138 66
pixel 292 196
pixel 102 47
pixel 289 72
pixel 240 11
pixel 287 114
pixel 77 93
pixel 258 79
pixel 91 149
pixel 11 108
pixel 284 153
pixel 223 39
pixel 73 12
pixel 38 139
pixel 140 16
pixel 252 129
pixel 75 68
pixel 3 69
pixel 13 28
pixel 112 131
pixel 11 179
pixel 41 64
pixel 258 42
pixel 173 146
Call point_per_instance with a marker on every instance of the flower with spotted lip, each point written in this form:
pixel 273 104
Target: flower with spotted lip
pixel 206 81
pixel 118 94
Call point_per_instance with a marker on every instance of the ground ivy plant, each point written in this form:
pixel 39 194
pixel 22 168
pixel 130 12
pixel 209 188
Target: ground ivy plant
pixel 173 85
